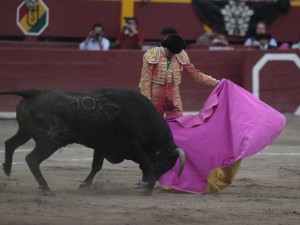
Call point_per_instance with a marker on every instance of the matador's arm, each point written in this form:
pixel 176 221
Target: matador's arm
pixel 145 81
pixel 190 69
pixel 198 76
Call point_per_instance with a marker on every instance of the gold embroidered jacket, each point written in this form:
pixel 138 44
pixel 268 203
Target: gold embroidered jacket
pixel 154 71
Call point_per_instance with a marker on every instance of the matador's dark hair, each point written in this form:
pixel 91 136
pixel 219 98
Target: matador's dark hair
pixel 174 43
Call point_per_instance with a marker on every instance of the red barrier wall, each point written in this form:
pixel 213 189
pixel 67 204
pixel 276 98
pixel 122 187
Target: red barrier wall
pixel 26 68
pixel 279 80
pixel 69 18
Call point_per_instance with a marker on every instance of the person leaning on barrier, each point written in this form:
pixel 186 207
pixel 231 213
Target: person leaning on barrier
pixel 261 33
pixel 130 35
pixel 262 42
pixel 216 37
pixel 167 31
pixel 95 40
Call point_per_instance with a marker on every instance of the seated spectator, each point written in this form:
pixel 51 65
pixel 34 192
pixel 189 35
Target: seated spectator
pixel 261 28
pixel 206 38
pixel 95 40
pixel 167 31
pixel 262 41
pixel 284 46
pixel 130 35
pixel 296 45
pixel 216 37
pixel 220 40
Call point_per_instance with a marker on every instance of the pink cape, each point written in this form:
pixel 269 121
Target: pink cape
pixel 232 124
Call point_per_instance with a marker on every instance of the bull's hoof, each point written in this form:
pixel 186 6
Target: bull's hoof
pixel 148 191
pixel 47 191
pixel 84 185
pixel 7 169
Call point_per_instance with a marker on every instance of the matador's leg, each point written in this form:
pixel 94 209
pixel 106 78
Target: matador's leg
pixel 220 178
pixel 175 106
pixel 157 97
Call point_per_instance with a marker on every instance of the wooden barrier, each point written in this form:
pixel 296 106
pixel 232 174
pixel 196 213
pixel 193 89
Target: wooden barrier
pixel 65 68
pixel 278 77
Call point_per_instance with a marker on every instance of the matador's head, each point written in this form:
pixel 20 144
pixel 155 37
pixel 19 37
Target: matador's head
pixel 174 43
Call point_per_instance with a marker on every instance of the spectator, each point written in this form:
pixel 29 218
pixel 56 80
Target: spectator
pixel 261 28
pixel 284 46
pixel 206 38
pixel 220 40
pixel 95 40
pixel 296 45
pixel 214 38
pixel 262 41
pixel 167 31
pixel 130 34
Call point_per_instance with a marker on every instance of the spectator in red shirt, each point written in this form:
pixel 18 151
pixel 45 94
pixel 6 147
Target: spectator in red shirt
pixel 130 37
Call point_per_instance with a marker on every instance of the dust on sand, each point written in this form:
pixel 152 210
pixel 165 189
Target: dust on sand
pixel 265 191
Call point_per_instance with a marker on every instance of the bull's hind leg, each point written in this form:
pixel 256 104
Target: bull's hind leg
pixel 20 138
pixel 96 167
pixel 42 151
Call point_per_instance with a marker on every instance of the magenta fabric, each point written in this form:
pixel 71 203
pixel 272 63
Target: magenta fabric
pixel 232 124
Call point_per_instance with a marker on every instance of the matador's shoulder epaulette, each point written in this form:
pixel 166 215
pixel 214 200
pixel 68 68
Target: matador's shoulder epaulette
pixel 152 55
pixel 182 57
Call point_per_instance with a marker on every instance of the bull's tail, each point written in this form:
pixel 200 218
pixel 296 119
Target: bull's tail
pixel 24 93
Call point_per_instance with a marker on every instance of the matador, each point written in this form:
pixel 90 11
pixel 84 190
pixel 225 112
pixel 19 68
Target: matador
pixel 160 80
pixel 161 75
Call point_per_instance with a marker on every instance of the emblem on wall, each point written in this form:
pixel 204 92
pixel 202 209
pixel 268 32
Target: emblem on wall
pixel 237 17
pixel 32 17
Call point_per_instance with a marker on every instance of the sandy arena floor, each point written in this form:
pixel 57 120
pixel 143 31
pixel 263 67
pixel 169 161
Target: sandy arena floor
pixel 266 190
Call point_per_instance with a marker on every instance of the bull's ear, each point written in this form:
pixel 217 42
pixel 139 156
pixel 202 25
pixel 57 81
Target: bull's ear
pixel 111 111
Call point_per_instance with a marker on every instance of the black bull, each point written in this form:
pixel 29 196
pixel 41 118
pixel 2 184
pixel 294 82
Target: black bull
pixel 117 123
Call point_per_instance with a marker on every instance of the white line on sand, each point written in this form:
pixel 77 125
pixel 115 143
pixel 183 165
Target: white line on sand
pixel 90 159
pixel 280 154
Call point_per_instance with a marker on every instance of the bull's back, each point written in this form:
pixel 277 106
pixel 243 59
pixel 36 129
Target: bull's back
pixel 92 113
pixel 141 115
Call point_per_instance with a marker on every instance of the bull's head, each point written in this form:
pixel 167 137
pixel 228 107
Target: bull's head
pixel 164 161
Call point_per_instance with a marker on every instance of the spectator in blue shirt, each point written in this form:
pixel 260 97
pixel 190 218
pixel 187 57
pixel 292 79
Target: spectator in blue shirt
pixel 261 30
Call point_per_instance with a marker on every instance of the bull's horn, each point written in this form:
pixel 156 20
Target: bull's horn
pixel 181 156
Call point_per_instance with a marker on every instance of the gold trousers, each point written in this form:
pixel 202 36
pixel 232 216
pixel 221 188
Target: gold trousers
pixel 218 179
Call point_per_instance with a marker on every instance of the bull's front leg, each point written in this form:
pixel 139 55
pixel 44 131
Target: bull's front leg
pixel 96 167
pixel 135 152
pixel 148 178
pixel 147 169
